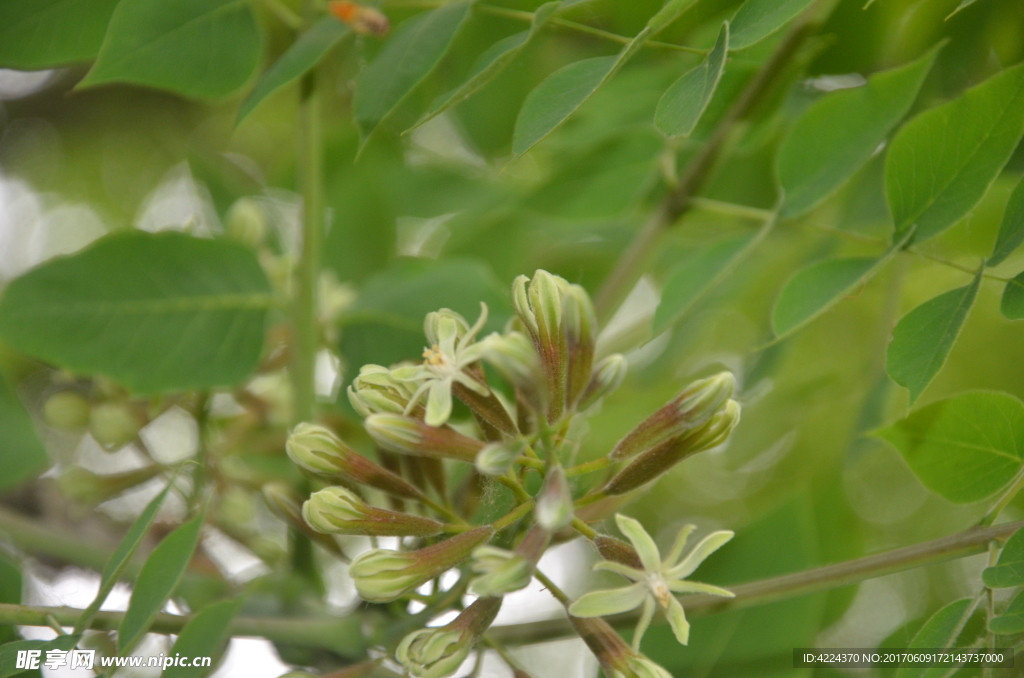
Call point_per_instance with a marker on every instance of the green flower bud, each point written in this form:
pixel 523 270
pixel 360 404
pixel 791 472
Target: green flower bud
pixel 580 323
pixel 376 390
pixel 114 424
pixel 514 356
pixel 247 222
pixel 335 510
pixel 444 327
pixel 639 666
pixel 617 551
pixel 694 406
pixel 406 435
pixel 381 576
pixel 497 458
pixel 604 641
pixel 654 462
pixel 286 504
pixel 316 449
pixel 501 572
pixel 437 653
pixel 608 376
pixel 554 508
pixel 539 306
pixel 66 410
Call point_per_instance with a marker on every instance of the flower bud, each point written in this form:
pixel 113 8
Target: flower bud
pixel 501 571
pixel 657 461
pixel 247 222
pixel 91 488
pixel 616 658
pixel 286 504
pixel 554 501
pixel 381 576
pixel 538 303
pixel 639 666
pixel 514 356
pixel 608 376
pixel 580 322
pixel 437 653
pixel 362 19
pixel 114 424
pixel 335 510
pixel 497 458
pixel 316 449
pixel 376 390
pixel 406 435
pixel 617 551
pixel 66 410
pixel 695 405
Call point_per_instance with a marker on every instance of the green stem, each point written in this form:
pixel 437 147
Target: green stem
pixel 512 516
pixel 558 593
pixel 304 310
pixel 284 13
pixel 512 482
pixel 584 529
pixel 587 467
pixel 1003 501
pixel 732 209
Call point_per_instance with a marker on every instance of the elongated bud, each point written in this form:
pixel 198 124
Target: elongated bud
pixel 694 406
pixel 514 356
pixel 66 410
pixel 554 501
pixel 616 658
pixel 316 449
pixel 406 435
pixel 381 576
pixel 91 488
pixel 437 653
pixel 488 409
pixel 639 666
pixel 500 571
pixel 114 424
pixel 657 461
pixel 580 323
pixel 375 390
pixel 539 306
pixel 617 551
pixel 497 458
pixel 608 376
pixel 335 510
pixel 286 504
pixel 362 19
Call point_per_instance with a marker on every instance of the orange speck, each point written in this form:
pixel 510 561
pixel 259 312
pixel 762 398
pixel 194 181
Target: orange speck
pixel 344 10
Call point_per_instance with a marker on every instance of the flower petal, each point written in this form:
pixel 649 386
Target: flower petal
pixel 608 601
pixel 682 586
pixel 694 558
pixel 677 620
pixel 618 568
pixel 439 402
pixel 677 548
pixel 471 383
pixel 642 542
pixel 645 620
pixel 470 336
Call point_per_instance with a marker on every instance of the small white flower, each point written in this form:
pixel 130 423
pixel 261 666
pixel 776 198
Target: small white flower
pixel 656 583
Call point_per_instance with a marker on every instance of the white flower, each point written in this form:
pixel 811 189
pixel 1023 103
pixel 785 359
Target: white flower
pixel 653 585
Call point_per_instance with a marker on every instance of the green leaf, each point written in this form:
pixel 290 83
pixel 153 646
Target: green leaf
pixel 203 49
pixel 1011 231
pixel 1012 304
pixel 157 312
pixel 942 162
pixel 491 63
pixel 157 580
pixel 408 57
pixel 10 593
pixel 558 96
pixel 37 34
pixel 125 550
pixel 681 106
pixel 964 448
pixel 9 652
pixel 757 19
pixel 940 631
pixel 305 53
pixel 203 636
pixel 922 338
pixel 1011 621
pixel 817 288
pixel 699 274
pixel 964 4
pixel 841 131
pixel 22 455
pixel 1009 569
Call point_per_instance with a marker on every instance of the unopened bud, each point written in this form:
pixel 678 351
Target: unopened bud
pixel 406 435
pixel 316 449
pixel 654 462
pixel 114 424
pixel 538 302
pixel 500 571
pixel 608 376
pixel 286 504
pixel 91 488
pixel 247 222
pixel 335 510
pixel 381 576
pixel 514 356
pixel 362 19
pixel 376 390
pixel 639 666
pixel 439 652
pixel 554 501
pixel 694 406
pixel 497 458
pixel 617 551
pixel 580 323
pixel 604 641
pixel 66 410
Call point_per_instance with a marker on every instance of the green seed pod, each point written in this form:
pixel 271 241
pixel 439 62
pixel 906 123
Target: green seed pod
pixel 66 410
pixel 114 424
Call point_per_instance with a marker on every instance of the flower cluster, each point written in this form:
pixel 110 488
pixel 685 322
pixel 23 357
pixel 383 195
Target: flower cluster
pixel 526 391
